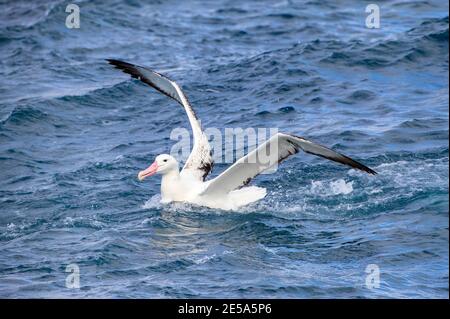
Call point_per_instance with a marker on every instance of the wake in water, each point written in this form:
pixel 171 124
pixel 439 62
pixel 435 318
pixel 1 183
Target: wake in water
pixel 339 187
pixel 340 195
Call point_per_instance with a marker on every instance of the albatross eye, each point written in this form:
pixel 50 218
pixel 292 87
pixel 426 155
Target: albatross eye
pixel 165 160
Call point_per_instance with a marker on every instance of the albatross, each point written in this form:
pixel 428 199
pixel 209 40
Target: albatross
pixel 229 190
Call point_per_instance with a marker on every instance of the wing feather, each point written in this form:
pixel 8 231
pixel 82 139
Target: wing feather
pixel 270 153
pixel 199 162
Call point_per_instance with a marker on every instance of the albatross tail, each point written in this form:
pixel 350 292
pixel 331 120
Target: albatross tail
pixel 246 195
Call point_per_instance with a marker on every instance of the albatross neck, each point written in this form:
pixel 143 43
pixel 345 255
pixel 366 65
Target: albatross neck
pixel 171 176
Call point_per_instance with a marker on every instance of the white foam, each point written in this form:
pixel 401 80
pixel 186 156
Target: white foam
pixel 341 187
pixel 68 221
pixel 338 187
pixel 204 259
pixel 153 202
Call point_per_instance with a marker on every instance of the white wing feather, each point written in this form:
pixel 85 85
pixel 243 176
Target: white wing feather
pixel 268 154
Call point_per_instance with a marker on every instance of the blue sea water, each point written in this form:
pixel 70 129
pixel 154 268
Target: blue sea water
pixel 74 132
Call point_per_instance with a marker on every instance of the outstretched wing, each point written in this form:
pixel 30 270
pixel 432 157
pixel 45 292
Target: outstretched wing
pixel 268 154
pixel 199 162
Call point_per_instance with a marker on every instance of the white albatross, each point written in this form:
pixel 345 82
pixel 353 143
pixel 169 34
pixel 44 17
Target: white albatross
pixel 227 190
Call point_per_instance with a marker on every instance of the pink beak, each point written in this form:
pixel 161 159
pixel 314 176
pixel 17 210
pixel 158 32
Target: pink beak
pixel 151 170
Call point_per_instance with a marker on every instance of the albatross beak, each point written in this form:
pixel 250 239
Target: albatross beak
pixel 151 170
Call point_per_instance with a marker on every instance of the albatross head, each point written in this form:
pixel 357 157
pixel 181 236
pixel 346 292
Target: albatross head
pixel 163 164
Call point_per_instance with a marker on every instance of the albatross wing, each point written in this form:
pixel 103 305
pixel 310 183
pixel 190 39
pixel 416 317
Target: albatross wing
pixel 199 162
pixel 271 152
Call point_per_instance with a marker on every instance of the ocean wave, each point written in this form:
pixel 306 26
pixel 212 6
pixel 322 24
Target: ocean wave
pixel 21 115
pixel 24 15
pixel 74 133
pixel 412 46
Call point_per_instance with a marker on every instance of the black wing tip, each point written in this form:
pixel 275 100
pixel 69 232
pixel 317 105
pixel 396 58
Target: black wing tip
pixel 133 69
pixel 360 166
pixel 350 162
pixel 128 68
pixel 369 170
pixel 357 165
pixel 115 61
pixel 120 64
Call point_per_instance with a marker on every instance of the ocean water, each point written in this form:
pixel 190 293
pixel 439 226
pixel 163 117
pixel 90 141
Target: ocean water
pixel 74 132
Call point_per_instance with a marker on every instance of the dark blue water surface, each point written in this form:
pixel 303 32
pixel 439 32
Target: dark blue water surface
pixel 74 132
